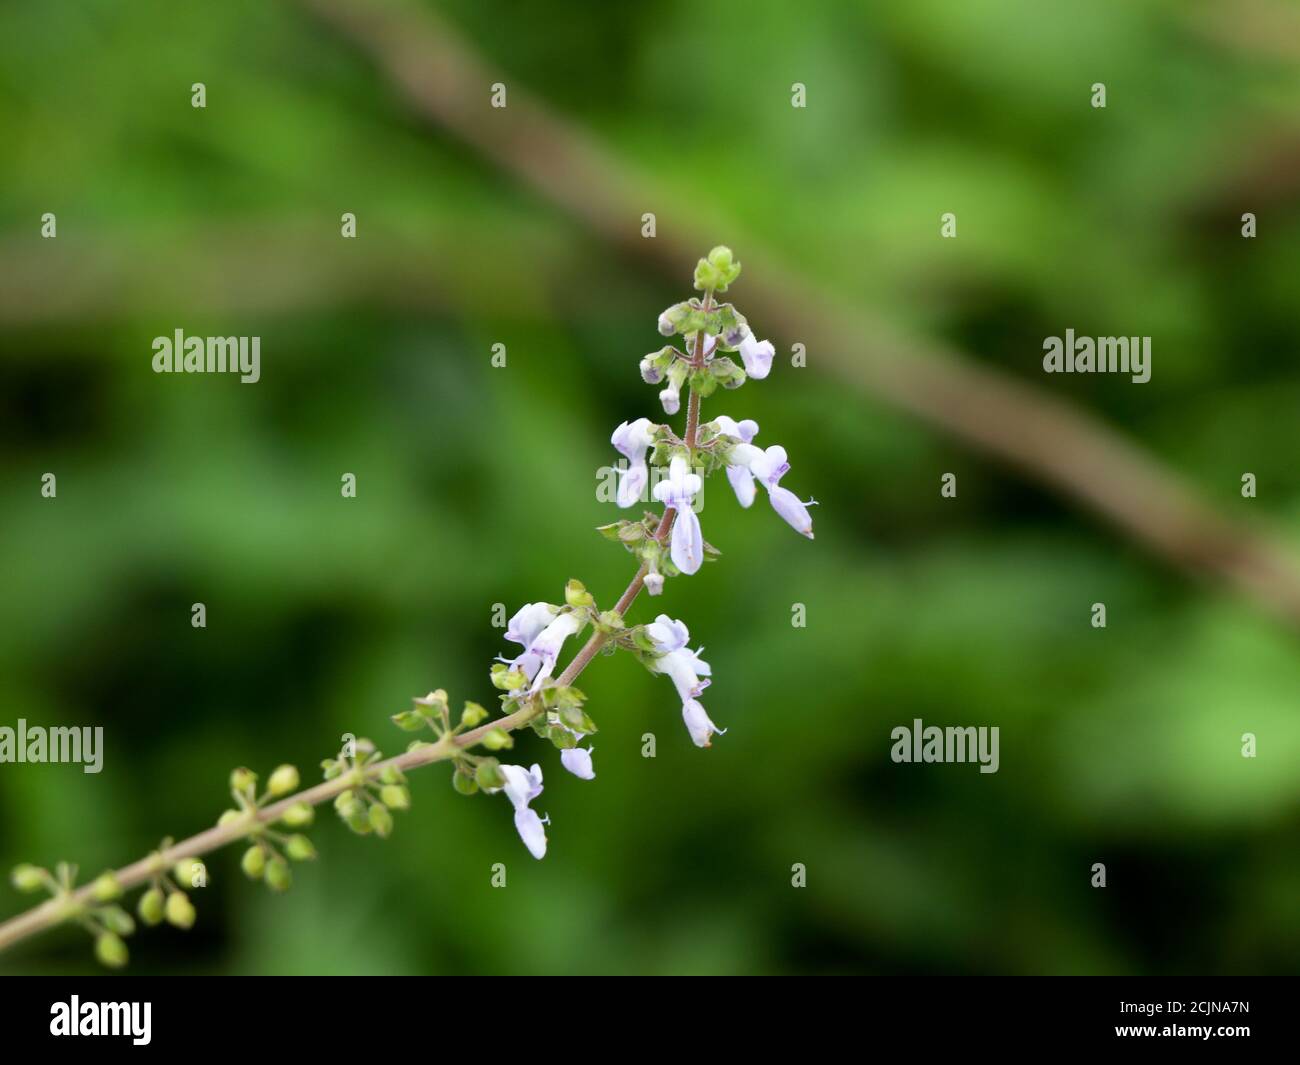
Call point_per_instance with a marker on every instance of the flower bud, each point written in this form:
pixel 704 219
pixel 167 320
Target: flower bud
pixel 497 739
pixel 488 774
pixel 299 815
pixel 577 596
pixel 654 583
pixel 358 821
pixel 27 878
pixel 116 919
pixel 191 872
pixel 243 781
pixel 229 817
pixel 395 797
pixel 346 803
pixel 110 950
pixel 471 716
pixel 106 888
pixel 283 781
pixel 464 783
pixel 253 863
pixel 279 877
pixel 300 849
pixel 381 820
pixel 651 372
pixel 179 910
pixel 150 907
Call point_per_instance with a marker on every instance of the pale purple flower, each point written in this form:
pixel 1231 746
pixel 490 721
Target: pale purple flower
pixel 538 659
pixel 738 473
pixel 678 491
pixel 688 672
pixel 671 397
pixel 578 762
pixel 757 356
pixel 769 467
pixel 698 724
pixel 529 621
pixel 633 440
pixel 654 583
pixel 522 786
pixel 677 661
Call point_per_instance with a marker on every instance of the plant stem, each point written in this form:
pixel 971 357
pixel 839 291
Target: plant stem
pixel 60 907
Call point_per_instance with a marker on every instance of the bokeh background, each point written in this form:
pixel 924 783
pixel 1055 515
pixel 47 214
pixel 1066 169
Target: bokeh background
pixel 476 485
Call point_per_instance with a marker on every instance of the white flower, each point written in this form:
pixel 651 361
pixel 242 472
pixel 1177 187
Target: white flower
pixel 678 491
pixel 685 668
pixel 538 659
pixel 654 583
pixel 529 621
pixel 522 786
pixel 742 480
pixel 578 762
pixel 769 467
pixel 698 724
pixel 633 440
pixel 671 398
pixel 757 356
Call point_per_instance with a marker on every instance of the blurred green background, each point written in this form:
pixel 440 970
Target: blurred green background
pixel 476 485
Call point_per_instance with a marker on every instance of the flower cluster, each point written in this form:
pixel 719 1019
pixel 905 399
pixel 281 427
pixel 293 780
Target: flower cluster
pixel 670 469
pixel 661 465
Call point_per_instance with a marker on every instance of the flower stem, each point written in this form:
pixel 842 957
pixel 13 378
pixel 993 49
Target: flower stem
pixel 65 903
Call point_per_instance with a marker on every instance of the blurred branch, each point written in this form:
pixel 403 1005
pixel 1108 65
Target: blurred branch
pixel 440 76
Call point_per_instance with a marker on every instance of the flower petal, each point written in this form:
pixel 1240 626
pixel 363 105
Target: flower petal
pixel 531 831
pixel 698 724
pixel 578 762
pixel 757 356
pixel 687 542
pixel 789 506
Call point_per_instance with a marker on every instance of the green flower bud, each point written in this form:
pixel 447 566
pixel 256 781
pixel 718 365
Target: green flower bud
pixel 463 783
pixel 190 872
pixel 283 781
pixel 332 767
pixel 299 815
pixel 110 950
pixel 28 878
pixel 395 797
pixel 253 863
pixel 279 877
pixel 610 621
pixel 487 774
pixel 243 781
pixel 358 821
pixel 300 849
pixel 472 715
pixel 106 888
pixel 116 920
pixel 506 679
pixel 179 910
pixel 410 720
pixel 150 907
pixel 497 739
pixel 577 596
pixel 346 803
pixel 381 820
pixel 390 774
pixel 229 817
